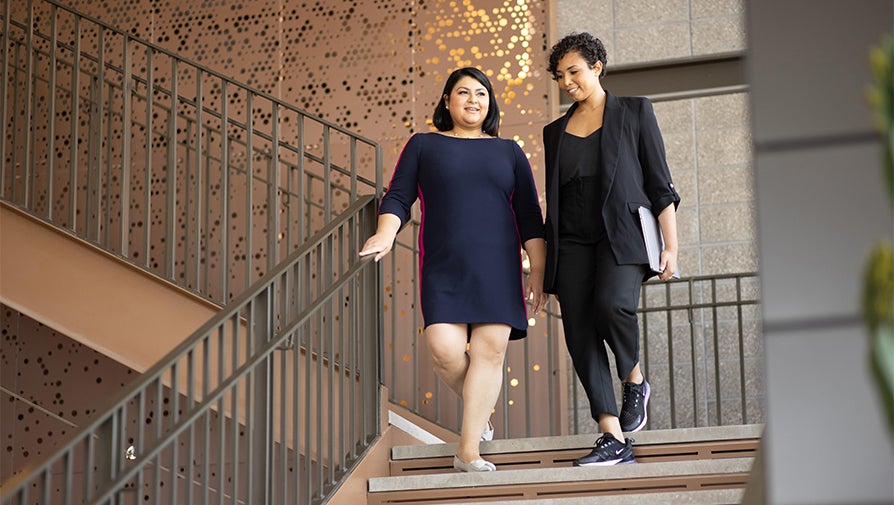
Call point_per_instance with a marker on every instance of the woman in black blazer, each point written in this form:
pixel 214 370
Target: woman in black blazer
pixel 604 159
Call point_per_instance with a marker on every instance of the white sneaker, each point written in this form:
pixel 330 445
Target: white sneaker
pixel 488 434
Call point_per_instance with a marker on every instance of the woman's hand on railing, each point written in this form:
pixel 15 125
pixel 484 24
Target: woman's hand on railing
pixel 379 244
pixel 382 242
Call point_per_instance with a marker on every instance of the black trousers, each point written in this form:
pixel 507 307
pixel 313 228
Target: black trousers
pixel 599 298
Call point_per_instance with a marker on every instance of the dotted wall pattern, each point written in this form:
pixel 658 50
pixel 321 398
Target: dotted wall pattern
pixel 50 385
pixel 375 67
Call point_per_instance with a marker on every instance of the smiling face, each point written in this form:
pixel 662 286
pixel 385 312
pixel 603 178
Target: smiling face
pixel 467 104
pixel 576 77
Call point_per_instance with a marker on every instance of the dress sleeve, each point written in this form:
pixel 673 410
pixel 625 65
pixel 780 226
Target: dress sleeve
pixel 656 175
pixel 528 215
pixel 403 188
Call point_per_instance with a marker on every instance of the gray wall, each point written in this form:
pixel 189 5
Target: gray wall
pixel 821 208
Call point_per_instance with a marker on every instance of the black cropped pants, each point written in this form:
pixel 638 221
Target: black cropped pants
pixel 599 298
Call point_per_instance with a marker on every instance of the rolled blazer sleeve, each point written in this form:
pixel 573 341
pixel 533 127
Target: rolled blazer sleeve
pixel 658 185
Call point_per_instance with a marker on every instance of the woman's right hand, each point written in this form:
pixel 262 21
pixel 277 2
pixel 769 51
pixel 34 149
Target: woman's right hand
pixel 379 244
pixel 382 242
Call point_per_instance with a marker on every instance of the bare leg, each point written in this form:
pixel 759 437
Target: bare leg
pixel 447 343
pixel 484 379
pixel 636 375
pixel 477 375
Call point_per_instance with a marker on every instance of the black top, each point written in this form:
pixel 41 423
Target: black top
pixel 633 173
pixel 579 202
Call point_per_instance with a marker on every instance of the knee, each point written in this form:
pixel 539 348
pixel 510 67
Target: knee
pixel 608 309
pixel 490 354
pixel 447 359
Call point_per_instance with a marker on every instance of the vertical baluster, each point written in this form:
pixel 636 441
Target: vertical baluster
pixel 170 237
pixel 224 257
pixel 105 188
pixel 249 197
pixel 222 414
pixel 147 176
pixel 304 218
pixel 94 168
pixel 4 90
pixel 75 120
pixel 327 174
pixel 51 117
pixel 272 190
pixel 67 477
pixel 139 442
pixel 174 418
pixel 693 355
pixel 741 332
pixel 199 181
pixel 16 100
pixel 127 92
pixel 30 114
pixel 718 420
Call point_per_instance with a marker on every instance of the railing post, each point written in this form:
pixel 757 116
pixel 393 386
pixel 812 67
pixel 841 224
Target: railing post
pixel 373 317
pixel 30 113
pixel 126 119
pixel 260 419
pixel 4 89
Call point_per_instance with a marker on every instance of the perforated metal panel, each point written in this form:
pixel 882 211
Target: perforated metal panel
pixel 376 67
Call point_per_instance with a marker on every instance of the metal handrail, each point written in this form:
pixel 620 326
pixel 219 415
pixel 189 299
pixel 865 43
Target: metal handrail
pixel 236 392
pixel 187 188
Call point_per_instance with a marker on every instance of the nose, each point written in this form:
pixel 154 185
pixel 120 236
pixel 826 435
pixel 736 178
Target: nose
pixel 565 80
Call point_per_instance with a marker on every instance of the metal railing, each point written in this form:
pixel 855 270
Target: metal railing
pixel 271 401
pixel 176 168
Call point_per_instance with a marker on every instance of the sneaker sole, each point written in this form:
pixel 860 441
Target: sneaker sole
pixel 606 463
pixel 645 409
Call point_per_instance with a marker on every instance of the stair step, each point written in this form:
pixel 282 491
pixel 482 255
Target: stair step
pixel 687 444
pixel 565 482
pixel 708 497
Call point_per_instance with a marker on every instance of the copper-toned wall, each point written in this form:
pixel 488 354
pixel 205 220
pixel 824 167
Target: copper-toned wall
pixel 376 67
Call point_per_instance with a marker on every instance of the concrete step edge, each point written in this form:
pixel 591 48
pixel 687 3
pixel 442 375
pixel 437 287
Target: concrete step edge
pixel 563 474
pixel 696 497
pixel 540 444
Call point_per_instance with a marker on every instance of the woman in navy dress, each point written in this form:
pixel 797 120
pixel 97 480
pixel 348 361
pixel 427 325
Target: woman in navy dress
pixel 479 207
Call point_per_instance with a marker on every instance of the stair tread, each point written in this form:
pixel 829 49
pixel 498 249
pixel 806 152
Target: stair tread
pixel 561 474
pixel 538 444
pixel 712 496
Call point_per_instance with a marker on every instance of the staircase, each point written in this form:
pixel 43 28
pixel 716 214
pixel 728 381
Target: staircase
pixel 696 465
pixel 253 215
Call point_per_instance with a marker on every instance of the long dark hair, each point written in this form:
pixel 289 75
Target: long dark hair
pixel 441 118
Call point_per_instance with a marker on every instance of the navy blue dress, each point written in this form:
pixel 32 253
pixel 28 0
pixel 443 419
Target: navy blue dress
pixel 479 205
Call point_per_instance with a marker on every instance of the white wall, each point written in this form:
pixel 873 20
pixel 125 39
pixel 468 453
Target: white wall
pixel 820 209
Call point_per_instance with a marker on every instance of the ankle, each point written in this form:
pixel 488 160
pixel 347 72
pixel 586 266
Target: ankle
pixel 468 453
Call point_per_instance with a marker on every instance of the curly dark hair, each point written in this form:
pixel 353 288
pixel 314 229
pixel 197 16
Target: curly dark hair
pixel 441 117
pixel 589 47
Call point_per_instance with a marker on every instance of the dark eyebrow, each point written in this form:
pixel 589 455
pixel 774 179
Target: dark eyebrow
pixel 468 89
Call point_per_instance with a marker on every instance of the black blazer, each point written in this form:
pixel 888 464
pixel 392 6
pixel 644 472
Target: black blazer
pixel 634 172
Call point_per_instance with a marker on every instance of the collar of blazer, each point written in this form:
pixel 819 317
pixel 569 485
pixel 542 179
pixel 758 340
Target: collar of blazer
pixel 612 126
